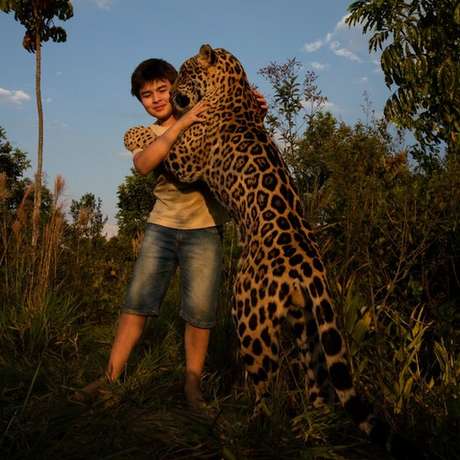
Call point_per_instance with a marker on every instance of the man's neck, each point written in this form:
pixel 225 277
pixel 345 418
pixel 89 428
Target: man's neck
pixel 167 122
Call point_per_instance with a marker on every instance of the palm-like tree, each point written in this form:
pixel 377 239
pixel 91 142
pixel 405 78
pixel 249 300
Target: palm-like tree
pixel 37 16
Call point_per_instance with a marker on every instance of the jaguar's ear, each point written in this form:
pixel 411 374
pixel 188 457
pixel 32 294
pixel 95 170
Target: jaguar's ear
pixel 207 55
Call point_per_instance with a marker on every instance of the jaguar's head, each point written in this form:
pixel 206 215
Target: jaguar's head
pixel 192 82
pixel 203 73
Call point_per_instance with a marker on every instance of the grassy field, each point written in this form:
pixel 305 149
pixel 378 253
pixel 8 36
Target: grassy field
pixel 60 303
pixel 145 415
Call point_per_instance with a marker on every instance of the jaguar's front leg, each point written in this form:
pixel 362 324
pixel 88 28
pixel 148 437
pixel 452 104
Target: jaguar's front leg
pixel 188 156
pixel 138 138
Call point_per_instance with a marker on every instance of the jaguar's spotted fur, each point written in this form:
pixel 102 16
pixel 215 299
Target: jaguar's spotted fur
pixel 281 276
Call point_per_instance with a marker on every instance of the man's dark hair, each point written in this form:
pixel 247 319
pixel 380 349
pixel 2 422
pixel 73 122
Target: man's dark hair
pixel 150 70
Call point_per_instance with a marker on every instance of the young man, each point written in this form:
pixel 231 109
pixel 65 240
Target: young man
pixel 183 230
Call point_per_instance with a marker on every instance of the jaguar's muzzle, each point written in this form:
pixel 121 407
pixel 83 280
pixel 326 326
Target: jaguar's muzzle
pixel 181 101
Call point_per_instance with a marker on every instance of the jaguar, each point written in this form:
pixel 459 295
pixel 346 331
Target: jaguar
pixel 281 278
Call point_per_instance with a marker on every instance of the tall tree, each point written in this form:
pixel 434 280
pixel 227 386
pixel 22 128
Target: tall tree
pixel 13 163
pixel 294 100
pixel 87 216
pixel 420 40
pixel 135 201
pixel 37 16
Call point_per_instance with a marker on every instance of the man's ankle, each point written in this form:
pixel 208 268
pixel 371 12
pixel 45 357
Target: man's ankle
pixel 192 389
pixel 192 379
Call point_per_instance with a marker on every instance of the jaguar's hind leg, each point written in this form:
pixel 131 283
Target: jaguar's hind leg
pixel 259 348
pixel 333 349
pixel 310 354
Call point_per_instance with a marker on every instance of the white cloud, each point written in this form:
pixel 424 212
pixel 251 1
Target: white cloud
pixel 104 4
pixel 101 4
pixel 377 68
pixel 328 105
pixel 346 53
pixel 344 41
pixel 318 65
pixel 364 79
pixel 16 96
pixel 59 124
pixel 341 25
pixel 313 46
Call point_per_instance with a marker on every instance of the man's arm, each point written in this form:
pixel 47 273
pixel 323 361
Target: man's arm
pixel 152 155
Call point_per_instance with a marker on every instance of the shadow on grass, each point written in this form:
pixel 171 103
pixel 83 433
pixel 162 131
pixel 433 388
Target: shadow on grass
pixel 147 417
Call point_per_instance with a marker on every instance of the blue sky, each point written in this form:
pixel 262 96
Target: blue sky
pixel 86 81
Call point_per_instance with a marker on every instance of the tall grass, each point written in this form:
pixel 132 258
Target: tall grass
pixel 58 310
pixel 34 310
pixel 36 315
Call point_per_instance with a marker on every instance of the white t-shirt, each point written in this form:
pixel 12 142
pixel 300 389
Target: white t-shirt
pixel 183 206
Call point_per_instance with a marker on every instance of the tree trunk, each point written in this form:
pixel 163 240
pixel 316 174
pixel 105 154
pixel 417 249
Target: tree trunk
pixel 38 173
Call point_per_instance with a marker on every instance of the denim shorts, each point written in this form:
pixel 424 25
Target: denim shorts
pixel 197 253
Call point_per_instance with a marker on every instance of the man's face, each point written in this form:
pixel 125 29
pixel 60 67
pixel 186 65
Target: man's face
pixel 154 97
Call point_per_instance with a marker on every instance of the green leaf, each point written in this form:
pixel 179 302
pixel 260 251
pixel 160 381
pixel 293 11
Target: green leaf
pixel 408 387
pixel 457 13
pixel 421 56
pixel 360 330
pixel 446 76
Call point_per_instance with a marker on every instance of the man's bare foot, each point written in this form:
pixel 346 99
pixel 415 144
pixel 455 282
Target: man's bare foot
pixel 193 393
pixel 92 390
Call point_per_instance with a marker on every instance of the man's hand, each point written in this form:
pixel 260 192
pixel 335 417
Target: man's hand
pixel 197 114
pixel 263 105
